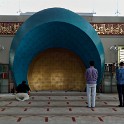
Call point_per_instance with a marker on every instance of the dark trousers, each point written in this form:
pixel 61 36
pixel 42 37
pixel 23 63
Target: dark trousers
pixel 120 88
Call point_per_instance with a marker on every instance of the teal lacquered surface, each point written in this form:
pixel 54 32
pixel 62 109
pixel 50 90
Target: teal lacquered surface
pixel 55 28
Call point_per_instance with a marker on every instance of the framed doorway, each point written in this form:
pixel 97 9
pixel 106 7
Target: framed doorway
pixel 120 53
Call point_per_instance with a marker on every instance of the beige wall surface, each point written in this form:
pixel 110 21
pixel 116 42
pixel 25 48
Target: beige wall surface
pixel 4 54
pixel 107 40
pixel 16 18
pixel 6 40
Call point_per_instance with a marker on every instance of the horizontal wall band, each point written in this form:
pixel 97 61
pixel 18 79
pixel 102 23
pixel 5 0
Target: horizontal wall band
pixel 10 28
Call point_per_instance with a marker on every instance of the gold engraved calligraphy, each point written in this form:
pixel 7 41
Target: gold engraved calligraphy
pixel 109 28
pixel 10 28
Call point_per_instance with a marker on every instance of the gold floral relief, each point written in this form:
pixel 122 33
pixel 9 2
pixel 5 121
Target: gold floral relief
pixel 57 69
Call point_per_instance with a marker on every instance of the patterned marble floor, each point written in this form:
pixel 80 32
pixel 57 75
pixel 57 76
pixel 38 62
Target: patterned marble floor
pixel 60 107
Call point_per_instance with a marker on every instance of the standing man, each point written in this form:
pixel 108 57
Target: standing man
pixel 120 83
pixel 22 91
pixel 91 79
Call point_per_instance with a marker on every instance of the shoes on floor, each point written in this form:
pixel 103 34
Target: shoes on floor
pixel 88 107
pixel 93 107
pixel 120 106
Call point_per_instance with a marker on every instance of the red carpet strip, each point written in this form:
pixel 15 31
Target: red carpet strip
pixel 100 119
pixel 73 119
pixel 19 119
pixel 46 119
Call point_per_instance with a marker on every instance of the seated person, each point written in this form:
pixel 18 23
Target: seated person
pixel 23 91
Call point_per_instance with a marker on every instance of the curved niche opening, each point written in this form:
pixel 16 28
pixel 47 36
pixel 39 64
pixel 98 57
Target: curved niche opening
pixel 56 69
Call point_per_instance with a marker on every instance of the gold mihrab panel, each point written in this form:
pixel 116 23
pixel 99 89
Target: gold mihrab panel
pixel 57 69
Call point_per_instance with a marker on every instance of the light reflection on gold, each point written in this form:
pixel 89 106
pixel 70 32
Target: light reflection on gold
pixel 56 69
pixel 57 78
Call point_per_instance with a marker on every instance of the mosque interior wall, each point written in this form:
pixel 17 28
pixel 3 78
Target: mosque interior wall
pixel 107 40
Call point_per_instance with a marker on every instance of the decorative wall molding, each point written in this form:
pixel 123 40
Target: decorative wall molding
pixel 10 28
